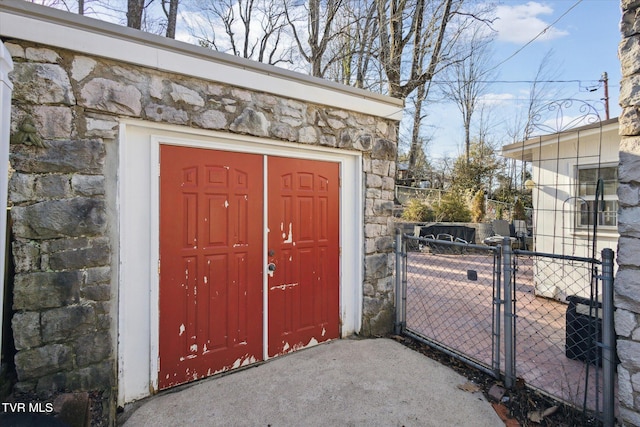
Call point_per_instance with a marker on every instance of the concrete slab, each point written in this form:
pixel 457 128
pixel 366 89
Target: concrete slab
pixel 369 382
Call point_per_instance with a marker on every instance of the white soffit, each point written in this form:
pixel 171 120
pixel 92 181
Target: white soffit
pixel 39 24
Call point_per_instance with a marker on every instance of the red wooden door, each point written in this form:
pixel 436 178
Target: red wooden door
pixel 304 249
pixel 211 265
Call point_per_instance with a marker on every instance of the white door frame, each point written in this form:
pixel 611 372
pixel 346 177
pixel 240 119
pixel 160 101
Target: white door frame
pixel 138 200
pixel 6 66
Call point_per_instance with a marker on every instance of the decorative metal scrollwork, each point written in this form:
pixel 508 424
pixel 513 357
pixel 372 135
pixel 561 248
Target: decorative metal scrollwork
pixel 557 117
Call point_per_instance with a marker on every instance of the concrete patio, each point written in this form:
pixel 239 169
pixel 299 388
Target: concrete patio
pixel 351 382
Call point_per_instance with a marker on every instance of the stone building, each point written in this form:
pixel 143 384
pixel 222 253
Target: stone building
pixel 124 143
pixel 627 282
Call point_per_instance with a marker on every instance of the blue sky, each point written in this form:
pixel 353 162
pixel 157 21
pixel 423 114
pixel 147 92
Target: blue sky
pixel 584 44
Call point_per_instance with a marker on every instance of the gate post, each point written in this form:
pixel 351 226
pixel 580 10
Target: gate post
pixel 509 318
pixel 497 307
pixel 608 340
pixel 398 326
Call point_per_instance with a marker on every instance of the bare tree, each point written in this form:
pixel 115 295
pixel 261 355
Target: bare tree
pixel 252 29
pixel 417 143
pixel 170 9
pixel 135 9
pixel 142 15
pixel 416 38
pixel 412 33
pixel 351 54
pixel 522 125
pixel 467 79
pixel 313 41
pixel 367 32
pixel 540 90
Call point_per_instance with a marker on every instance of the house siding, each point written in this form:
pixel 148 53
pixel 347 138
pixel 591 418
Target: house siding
pixel 63 192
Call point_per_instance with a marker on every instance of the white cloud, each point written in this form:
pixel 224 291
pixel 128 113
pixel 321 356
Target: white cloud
pixel 521 23
pixel 491 99
pixel 186 24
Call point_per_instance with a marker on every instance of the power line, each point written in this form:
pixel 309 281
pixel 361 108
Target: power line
pixel 536 37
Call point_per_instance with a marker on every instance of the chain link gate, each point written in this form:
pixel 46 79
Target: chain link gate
pixel 479 304
pixel 440 310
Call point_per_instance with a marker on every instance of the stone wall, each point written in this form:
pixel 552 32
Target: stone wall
pixel 62 193
pixel 627 282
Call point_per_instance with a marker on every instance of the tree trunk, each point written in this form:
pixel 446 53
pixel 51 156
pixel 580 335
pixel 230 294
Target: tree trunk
pixel 134 13
pixel 172 17
pixel 416 143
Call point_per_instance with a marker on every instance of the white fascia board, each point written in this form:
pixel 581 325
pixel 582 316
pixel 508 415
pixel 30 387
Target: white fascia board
pixel 39 24
pixel 516 150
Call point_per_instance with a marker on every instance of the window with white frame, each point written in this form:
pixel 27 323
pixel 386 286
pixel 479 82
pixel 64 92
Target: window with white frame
pixel 607 212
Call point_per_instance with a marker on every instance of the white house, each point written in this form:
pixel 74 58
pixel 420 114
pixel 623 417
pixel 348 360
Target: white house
pixel 565 168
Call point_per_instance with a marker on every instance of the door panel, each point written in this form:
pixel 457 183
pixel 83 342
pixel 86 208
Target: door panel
pixel 304 247
pixel 210 262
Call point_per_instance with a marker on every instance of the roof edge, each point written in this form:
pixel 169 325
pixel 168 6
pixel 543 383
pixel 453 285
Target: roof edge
pixel 525 147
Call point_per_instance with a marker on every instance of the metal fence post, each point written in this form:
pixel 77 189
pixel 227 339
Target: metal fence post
pixel 509 330
pixel 497 304
pixel 608 339
pixel 398 297
pixel 404 253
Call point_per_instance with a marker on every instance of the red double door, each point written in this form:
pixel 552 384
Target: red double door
pixel 213 262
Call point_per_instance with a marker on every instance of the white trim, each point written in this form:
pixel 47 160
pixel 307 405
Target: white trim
pixel 154 274
pixel 25 21
pixel 265 258
pixel 575 184
pixel 6 65
pixel 139 145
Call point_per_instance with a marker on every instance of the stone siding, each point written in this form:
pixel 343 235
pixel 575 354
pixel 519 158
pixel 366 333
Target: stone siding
pixel 62 195
pixel 627 281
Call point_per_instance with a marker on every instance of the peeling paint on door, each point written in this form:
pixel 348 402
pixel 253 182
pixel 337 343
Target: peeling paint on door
pixel 217 332
pixel 288 348
pixel 210 293
pixel 284 286
pixel 304 300
pixel 289 238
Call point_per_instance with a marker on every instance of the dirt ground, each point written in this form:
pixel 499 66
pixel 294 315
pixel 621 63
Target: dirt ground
pixel 521 406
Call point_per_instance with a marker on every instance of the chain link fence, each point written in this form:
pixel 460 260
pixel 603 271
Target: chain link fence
pixel 558 327
pixel 444 277
pixel 518 315
pixel 430 195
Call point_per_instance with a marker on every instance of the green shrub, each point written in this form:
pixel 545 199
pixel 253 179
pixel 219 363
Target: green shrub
pixel 452 208
pixel 417 210
pixel 518 210
pixel 477 207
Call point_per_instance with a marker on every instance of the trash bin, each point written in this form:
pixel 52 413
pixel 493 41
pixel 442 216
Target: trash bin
pixel 583 330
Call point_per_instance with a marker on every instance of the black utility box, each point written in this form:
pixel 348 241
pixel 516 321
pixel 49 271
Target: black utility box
pixel 584 330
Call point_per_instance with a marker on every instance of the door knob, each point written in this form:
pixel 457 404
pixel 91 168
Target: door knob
pixel 271 267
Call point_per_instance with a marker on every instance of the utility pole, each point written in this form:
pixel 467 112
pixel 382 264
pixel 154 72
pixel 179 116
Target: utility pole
pixel 605 80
